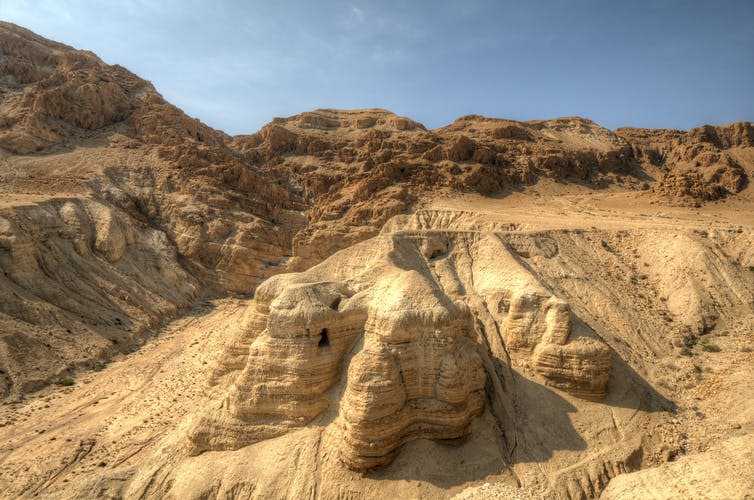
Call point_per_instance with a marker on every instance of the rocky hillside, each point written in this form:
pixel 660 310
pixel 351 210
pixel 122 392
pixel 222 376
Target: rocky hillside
pixel 703 164
pixel 564 304
pixel 118 209
pixel 356 169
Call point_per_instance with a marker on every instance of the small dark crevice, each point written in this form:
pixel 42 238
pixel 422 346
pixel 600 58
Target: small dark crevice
pixel 324 341
pixel 335 304
pixel 436 253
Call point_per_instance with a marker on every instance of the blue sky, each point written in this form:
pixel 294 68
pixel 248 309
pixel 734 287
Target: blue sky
pixel 237 64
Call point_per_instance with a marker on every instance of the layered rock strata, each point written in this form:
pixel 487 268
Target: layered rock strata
pixel 396 315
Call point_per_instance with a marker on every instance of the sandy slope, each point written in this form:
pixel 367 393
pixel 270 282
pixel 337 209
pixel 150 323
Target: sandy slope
pixel 110 416
pixel 121 431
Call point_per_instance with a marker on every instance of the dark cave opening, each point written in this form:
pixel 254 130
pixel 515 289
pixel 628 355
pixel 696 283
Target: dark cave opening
pixel 323 339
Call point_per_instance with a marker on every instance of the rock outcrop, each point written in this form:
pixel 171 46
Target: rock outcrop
pixel 396 314
pixel 166 206
pixel 418 374
pixel 696 166
pixel 357 169
pixel 51 91
pixel 538 327
pixel 119 281
pixel 238 210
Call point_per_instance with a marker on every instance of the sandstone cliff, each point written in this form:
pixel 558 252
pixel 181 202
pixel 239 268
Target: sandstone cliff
pixel 407 309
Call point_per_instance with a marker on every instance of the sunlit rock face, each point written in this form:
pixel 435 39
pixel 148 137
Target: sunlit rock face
pixel 539 327
pixel 418 374
pixel 382 343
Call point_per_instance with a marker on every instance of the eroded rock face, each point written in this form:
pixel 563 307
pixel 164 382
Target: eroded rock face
pixel 581 368
pixel 698 165
pixel 51 91
pixel 385 339
pixel 51 315
pixel 306 330
pixel 417 375
pixel 538 328
pixel 239 210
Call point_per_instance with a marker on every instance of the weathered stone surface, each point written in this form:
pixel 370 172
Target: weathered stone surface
pixel 697 165
pixel 401 304
pixel 581 367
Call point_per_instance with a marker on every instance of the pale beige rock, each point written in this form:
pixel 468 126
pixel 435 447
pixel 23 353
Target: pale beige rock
pixel 405 383
pixel 562 446
pixel 581 368
pixel 418 370
pixel 723 472
pixel 118 280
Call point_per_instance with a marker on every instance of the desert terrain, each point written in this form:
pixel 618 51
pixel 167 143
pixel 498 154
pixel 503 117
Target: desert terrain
pixel 346 304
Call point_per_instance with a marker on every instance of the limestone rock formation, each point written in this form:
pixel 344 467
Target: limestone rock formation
pixel 539 327
pixel 417 375
pixel 46 328
pixel 51 90
pixel 395 313
pixel 357 169
pixel 133 174
pixel 700 165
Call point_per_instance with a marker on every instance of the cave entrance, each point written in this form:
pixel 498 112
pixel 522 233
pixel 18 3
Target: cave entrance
pixel 324 341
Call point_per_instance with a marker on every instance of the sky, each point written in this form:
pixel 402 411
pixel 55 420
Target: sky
pixel 237 64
